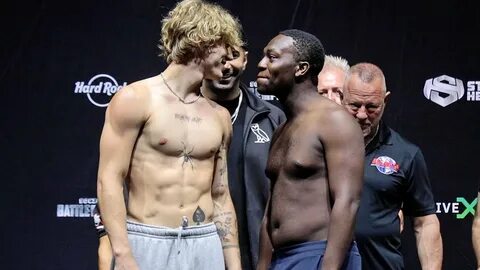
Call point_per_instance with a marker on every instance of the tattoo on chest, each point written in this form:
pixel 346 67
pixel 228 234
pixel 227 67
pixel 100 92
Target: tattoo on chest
pixel 198 216
pixel 186 154
pixel 186 118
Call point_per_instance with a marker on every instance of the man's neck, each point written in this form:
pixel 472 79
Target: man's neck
pixel 221 94
pixel 369 138
pixel 296 100
pixel 184 80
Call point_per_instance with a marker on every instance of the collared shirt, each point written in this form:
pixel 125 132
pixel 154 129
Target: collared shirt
pixel 395 177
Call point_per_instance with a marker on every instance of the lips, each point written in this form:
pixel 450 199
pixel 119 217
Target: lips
pixel 262 80
pixel 262 77
pixel 226 79
pixel 365 126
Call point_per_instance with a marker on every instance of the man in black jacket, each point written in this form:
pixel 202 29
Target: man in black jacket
pixel 254 121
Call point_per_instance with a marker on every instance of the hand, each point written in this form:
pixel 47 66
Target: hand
pixel 401 217
pixel 262 264
pixel 126 262
pixel 234 268
pixel 263 267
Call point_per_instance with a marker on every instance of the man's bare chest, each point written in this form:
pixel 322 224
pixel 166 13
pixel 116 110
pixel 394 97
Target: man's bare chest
pixel 176 133
pixel 295 149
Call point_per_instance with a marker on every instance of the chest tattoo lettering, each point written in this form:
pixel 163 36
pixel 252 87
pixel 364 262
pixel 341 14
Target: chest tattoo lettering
pixel 186 118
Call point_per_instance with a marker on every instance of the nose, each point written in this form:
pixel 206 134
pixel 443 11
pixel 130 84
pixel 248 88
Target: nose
pixel 361 113
pixel 330 94
pixel 227 66
pixel 262 64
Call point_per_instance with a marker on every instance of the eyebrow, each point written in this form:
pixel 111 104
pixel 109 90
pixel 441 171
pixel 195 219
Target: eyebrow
pixel 269 50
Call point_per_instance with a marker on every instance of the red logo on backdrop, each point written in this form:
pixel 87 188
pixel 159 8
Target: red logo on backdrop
pixel 385 165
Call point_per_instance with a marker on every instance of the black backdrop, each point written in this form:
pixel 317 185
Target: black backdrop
pixel 50 128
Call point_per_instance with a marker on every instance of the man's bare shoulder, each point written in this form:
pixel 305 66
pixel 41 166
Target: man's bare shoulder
pixel 145 86
pixel 222 113
pixel 133 101
pixel 333 120
pixel 328 112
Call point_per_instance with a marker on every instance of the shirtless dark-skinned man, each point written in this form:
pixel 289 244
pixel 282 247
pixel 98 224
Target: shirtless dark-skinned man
pixel 315 164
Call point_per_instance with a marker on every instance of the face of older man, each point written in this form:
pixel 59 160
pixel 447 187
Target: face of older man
pixel 330 83
pixel 366 102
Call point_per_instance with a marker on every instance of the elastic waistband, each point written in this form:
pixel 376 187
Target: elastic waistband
pixel 316 246
pixel 160 231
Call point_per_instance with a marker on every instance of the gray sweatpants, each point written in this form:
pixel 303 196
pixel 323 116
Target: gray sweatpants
pixel 184 248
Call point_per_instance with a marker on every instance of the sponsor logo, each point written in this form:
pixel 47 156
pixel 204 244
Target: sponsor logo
pixel 473 91
pixel 461 207
pixel 385 165
pixel 253 88
pixel 99 89
pixel 262 136
pixel 84 208
pixel 445 90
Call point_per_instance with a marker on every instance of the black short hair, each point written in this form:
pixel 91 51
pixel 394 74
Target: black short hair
pixel 309 49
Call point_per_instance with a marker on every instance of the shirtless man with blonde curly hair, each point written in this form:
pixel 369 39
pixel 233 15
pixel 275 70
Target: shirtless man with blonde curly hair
pixel 168 145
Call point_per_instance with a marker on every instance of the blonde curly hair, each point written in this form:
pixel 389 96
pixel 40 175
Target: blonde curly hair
pixel 193 27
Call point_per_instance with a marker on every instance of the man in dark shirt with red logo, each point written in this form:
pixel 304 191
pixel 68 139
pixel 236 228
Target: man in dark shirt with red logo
pixel 395 177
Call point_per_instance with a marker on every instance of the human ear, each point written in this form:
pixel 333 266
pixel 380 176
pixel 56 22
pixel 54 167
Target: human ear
pixel 302 68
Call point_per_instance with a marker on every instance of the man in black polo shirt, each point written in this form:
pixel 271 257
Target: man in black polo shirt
pixel 395 176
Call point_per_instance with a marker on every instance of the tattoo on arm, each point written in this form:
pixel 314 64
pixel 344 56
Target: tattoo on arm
pixel 219 185
pixel 230 246
pixel 221 160
pixel 224 216
pixel 225 226
pixel 187 158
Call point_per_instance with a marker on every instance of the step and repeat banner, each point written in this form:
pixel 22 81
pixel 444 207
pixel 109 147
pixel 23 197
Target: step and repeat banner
pixel 62 61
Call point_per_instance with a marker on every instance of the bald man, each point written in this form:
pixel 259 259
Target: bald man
pixel 395 176
pixel 330 85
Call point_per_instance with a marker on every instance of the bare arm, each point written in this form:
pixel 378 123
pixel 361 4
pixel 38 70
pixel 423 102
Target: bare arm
pixel 104 248
pixel 344 151
pixel 429 241
pixel 104 253
pixel 123 120
pixel 265 249
pixel 223 210
pixel 476 232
